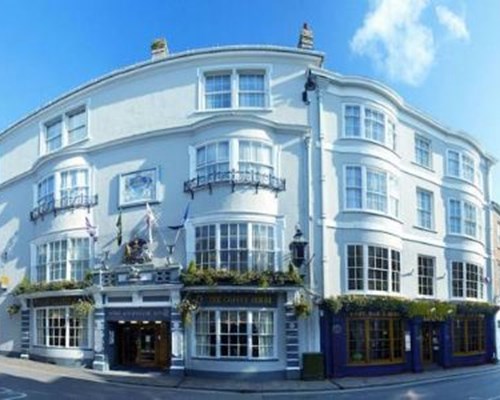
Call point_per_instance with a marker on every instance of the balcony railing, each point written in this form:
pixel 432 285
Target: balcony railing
pixel 66 203
pixel 235 178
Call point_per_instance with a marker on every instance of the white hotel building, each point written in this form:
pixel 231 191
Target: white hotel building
pixel 256 139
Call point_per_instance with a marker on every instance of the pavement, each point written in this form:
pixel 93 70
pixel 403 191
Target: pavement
pixel 161 379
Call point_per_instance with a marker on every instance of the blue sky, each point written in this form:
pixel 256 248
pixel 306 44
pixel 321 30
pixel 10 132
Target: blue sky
pixel 441 55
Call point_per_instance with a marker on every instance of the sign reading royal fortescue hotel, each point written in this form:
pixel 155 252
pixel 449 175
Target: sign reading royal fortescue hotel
pixel 238 299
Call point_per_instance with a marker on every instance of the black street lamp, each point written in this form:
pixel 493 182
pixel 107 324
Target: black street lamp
pixel 298 248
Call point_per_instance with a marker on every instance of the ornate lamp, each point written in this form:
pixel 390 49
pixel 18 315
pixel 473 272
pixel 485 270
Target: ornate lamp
pixel 298 248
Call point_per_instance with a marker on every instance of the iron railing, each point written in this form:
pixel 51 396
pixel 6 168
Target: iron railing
pixel 66 203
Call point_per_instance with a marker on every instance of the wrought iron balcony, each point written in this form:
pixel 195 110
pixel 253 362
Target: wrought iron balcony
pixel 66 203
pixel 235 178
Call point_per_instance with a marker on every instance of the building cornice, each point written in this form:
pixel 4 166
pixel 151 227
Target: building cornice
pixel 310 56
pixel 399 102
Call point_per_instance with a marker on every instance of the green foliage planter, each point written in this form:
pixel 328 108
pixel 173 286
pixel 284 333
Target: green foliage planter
pixel 433 310
pixel 83 308
pixel 13 309
pixel 27 287
pixel 219 277
pixel 187 307
pixel 302 307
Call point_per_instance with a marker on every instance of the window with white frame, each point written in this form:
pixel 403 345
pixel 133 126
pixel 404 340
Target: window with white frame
pixel 236 246
pixel 255 157
pixel 235 334
pixel 212 161
pixel 68 187
pixel 426 276
pixel 60 327
pixel 373 268
pixel 65 259
pixel 464 218
pixel 74 185
pixel 372 189
pixel 235 88
pixel 352 121
pixel 423 151
pixel 424 209
pixel 467 280
pixel 45 191
pixel 215 160
pixel 65 130
pixel 374 125
pixel 461 165
pixel 369 123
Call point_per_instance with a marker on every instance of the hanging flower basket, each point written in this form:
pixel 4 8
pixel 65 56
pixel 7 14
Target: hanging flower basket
pixel 186 308
pixel 83 308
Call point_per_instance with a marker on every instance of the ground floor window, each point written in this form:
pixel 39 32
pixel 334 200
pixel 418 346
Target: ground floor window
pixel 235 334
pixel 59 327
pixel 374 340
pixel 468 335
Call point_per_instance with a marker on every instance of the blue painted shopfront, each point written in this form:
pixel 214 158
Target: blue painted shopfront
pixel 442 345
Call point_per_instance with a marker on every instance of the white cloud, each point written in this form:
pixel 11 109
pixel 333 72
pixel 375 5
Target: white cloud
pixel 451 21
pixel 394 37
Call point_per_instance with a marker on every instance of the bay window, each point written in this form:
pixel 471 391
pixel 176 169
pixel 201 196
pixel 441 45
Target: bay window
pixel 464 218
pixel 212 161
pixel 235 334
pixel 236 246
pixel 461 165
pixel 60 327
pixel 68 187
pixel 65 259
pixel 255 157
pixel 369 123
pixel 467 280
pixel 373 268
pixel 372 189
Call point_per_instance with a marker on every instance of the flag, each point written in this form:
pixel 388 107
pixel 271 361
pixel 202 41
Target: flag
pixel 119 229
pixel 91 230
pixel 184 219
pixel 150 221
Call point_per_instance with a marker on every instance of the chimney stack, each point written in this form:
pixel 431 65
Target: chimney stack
pixel 159 49
pixel 306 38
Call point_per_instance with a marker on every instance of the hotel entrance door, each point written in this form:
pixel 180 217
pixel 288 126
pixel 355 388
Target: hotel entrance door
pixel 143 344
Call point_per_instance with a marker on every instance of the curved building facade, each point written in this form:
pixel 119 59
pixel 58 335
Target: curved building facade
pixel 147 217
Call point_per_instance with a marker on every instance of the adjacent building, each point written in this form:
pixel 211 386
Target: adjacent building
pixel 152 211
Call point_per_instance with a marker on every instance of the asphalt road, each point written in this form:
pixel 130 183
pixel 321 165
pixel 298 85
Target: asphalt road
pixel 20 382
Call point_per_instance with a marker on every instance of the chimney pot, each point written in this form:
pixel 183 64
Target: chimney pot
pixel 159 49
pixel 306 38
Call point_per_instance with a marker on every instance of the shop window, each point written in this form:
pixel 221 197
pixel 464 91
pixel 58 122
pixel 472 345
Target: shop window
pixel 235 334
pixel 468 335
pixel 374 340
pixel 59 327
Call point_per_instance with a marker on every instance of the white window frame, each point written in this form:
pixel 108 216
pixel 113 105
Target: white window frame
pixel 67 261
pixel 63 118
pixel 463 159
pixel 390 125
pixel 463 219
pixel 249 242
pixel 365 257
pixel 433 287
pixel 392 194
pixel 234 71
pixel 58 184
pixel 234 154
pixel 428 142
pixel 67 328
pixel 250 312
pixel 480 280
pixel 421 210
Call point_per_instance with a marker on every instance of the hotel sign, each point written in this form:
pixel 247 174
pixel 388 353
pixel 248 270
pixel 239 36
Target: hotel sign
pixel 238 300
pixel 138 314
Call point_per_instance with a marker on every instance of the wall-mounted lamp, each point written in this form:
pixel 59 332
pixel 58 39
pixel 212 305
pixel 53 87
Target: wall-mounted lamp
pixel 309 86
